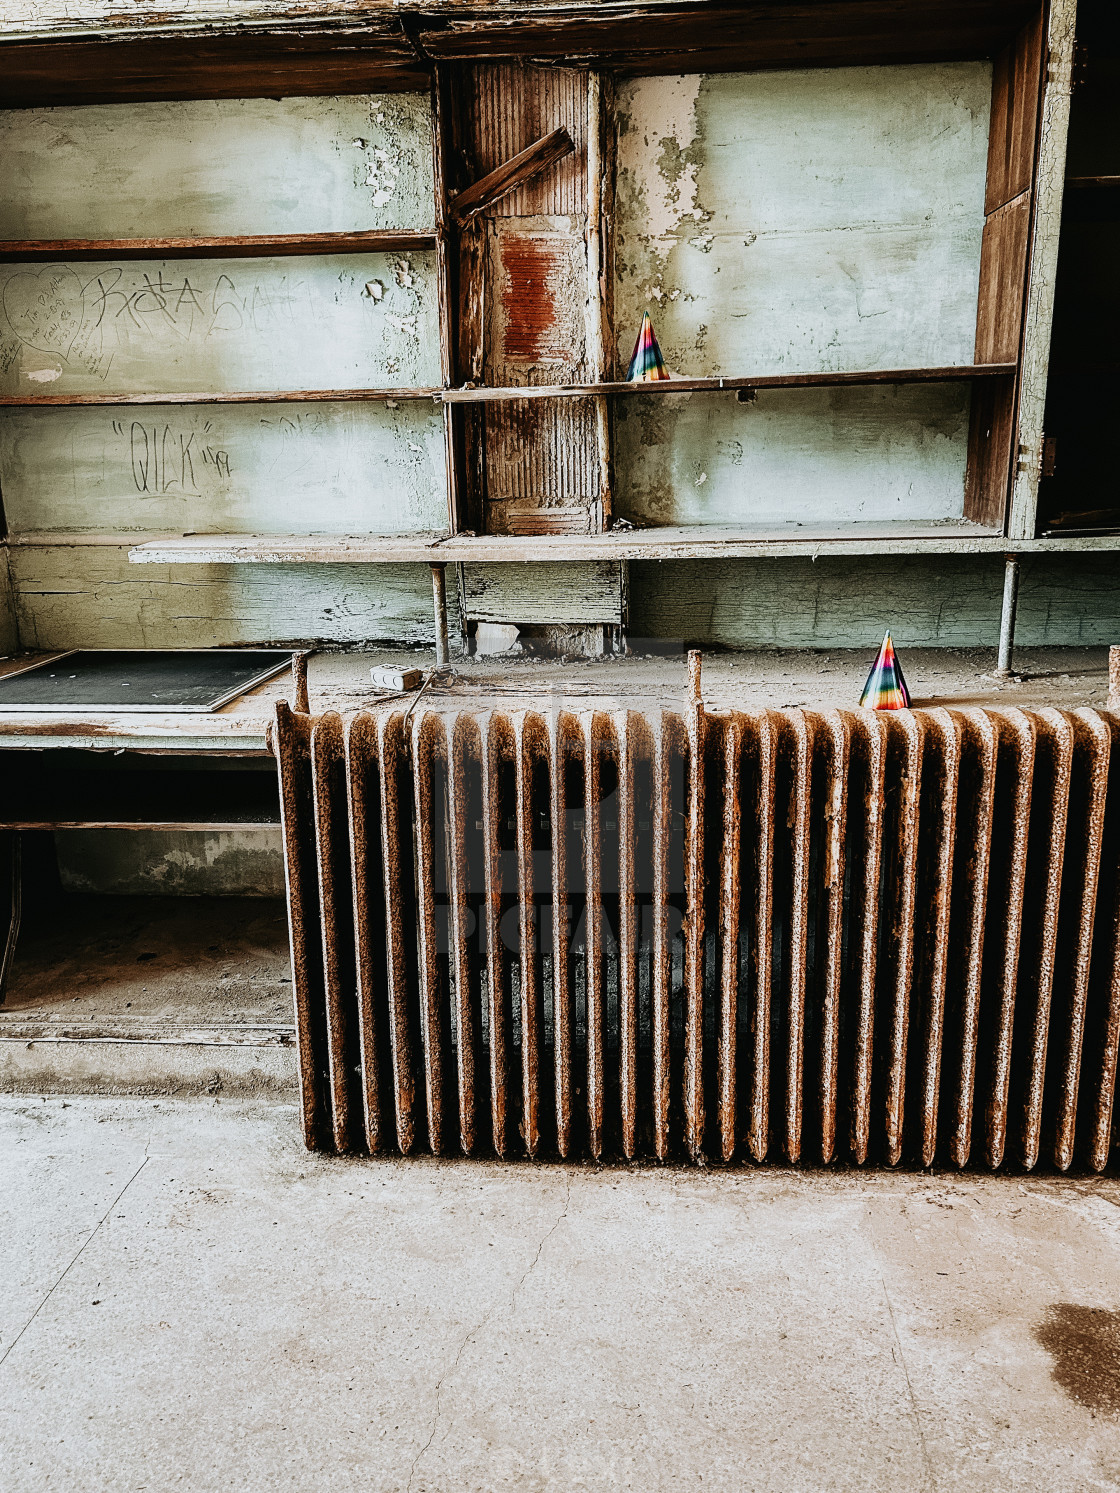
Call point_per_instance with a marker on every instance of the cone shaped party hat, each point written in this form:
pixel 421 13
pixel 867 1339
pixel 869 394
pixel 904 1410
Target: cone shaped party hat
pixel 646 365
pixel 885 688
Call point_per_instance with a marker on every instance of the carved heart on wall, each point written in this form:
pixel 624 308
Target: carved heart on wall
pixel 45 308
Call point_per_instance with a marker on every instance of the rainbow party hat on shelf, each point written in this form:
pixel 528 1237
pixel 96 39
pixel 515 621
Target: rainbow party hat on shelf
pixel 885 688
pixel 647 365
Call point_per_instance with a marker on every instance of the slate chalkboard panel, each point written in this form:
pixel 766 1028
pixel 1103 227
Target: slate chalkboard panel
pixel 160 680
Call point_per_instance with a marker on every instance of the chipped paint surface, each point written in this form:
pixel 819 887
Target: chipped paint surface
pixel 861 455
pixel 796 222
pixel 239 324
pixel 803 221
pixel 537 314
pixel 67 597
pixel 950 601
pixel 316 468
pixel 224 166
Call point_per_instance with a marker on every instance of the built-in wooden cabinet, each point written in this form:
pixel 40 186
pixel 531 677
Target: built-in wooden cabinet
pixel 285 300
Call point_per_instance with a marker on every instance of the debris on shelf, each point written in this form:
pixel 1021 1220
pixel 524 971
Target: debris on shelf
pixel 399 680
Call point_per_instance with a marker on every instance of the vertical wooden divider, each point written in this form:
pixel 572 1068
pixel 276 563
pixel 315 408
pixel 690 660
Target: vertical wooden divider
pixel 1017 81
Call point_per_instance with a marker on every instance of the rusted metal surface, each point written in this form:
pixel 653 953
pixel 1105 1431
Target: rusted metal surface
pixel 694 918
pixel 363 768
pixel 1046 858
pixel 292 736
pixel 537 300
pixel 834 732
pixel 1014 788
pixel 1085 833
pixel 904 768
pixel 979 742
pixel 730 883
pixel 937 838
pixel 867 768
pixel 332 843
pixel 746 935
pixel 1102 1037
pixel 429 756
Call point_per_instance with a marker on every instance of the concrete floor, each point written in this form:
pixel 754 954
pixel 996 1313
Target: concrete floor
pixel 151 995
pixel 188 1299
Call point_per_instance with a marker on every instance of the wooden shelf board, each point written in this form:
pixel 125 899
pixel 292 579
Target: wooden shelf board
pixel 265 396
pixel 1092 181
pixel 677 543
pixel 736 382
pixel 542 391
pixel 367 241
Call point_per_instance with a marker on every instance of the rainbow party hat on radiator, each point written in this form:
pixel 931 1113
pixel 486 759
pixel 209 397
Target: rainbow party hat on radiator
pixel 885 688
pixel 647 365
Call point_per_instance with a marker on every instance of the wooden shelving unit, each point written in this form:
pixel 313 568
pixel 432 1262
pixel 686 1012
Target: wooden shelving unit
pixel 516 143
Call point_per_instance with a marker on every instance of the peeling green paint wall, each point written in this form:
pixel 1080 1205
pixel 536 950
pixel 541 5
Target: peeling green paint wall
pixel 220 167
pixel 323 468
pixel 68 597
pixel 948 601
pixel 799 222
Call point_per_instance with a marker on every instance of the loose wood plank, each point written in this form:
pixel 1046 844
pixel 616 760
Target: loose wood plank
pixel 512 174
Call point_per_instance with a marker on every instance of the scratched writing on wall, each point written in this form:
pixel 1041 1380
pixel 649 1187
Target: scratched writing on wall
pixel 79 323
pixel 165 459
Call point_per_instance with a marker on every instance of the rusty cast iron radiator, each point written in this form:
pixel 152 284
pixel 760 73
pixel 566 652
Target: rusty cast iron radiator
pixel 747 936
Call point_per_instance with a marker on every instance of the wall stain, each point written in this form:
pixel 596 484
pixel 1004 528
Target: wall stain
pixel 1085 1344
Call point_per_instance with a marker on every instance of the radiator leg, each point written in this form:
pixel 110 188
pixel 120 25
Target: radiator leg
pixel 439 599
pixel 1007 617
pixel 15 913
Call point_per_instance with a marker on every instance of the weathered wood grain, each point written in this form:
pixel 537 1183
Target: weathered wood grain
pixel 1012 136
pixel 1039 314
pixel 991 434
pixel 1003 263
pixel 826 379
pixel 549 595
pixel 516 172
pixel 124 63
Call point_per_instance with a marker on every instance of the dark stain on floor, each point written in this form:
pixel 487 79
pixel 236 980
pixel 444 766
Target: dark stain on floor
pixel 1085 1344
